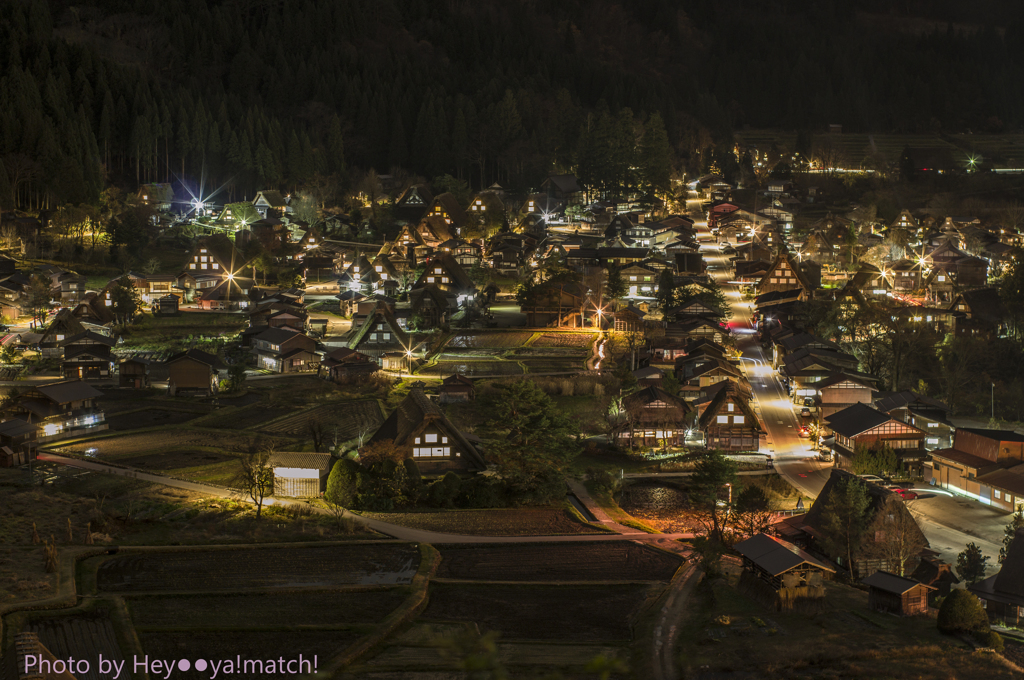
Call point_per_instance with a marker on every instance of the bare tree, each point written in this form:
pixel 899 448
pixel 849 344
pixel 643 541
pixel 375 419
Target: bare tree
pixel 897 538
pixel 1013 215
pixel 317 432
pixel 256 477
pixel 635 339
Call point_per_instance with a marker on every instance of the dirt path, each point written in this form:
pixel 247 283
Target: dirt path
pixel 667 627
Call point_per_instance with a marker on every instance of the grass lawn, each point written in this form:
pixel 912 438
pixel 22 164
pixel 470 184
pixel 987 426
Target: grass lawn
pixel 730 635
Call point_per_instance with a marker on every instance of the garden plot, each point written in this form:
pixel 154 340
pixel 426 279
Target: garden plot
pixel 84 636
pixel 472 368
pixel 210 612
pixel 265 646
pixel 497 339
pixel 548 613
pixel 232 570
pixel 495 522
pixel 349 418
pixel 612 561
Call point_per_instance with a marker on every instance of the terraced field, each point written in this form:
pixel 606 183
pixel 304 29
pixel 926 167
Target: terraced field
pixel 227 570
pixel 349 418
pixel 472 368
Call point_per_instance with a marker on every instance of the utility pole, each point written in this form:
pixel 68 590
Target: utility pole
pixel 993 403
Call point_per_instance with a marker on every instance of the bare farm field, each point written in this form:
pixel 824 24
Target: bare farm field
pixel 259 646
pixel 549 613
pixel 496 522
pixel 350 418
pixel 576 340
pixel 497 340
pixel 133 420
pixel 232 570
pixel 612 561
pixel 276 610
pixel 83 636
pixel 472 368
pixel 126 445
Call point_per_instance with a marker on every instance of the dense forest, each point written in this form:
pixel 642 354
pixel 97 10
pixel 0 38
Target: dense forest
pixel 302 93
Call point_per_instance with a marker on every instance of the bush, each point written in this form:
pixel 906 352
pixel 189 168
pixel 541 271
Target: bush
pixel 443 492
pixel 990 639
pixel 961 612
pixel 482 492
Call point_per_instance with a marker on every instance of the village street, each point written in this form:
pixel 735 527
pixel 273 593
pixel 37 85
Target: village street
pixel 949 522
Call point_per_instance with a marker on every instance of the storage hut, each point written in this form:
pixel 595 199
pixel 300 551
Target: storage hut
pixel 781 576
pixel 300 475
pixel 896 594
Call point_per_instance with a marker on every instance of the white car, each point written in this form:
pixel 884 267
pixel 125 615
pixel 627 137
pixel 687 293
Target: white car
pixel 872 479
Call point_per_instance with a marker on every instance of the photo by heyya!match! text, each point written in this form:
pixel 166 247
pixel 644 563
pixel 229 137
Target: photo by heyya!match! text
pixel 164 668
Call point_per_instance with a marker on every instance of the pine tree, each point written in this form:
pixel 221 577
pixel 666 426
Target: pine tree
pixel 655 156
pixel 666 289
pixel 1010 532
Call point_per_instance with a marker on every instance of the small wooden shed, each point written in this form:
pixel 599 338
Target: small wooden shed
pixel 781 576
pixel 168 304
pixel 456 388
pixel 897 595
pixel 301 475
pixel 134 372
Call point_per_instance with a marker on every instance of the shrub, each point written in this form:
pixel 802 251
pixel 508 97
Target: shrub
pixel 990 639
pixel 443 492
pixel 961 612
pixel 481 492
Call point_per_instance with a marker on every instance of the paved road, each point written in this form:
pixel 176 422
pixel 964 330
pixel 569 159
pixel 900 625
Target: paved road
pixel 794 458
pixel 403 533
pixel 948 523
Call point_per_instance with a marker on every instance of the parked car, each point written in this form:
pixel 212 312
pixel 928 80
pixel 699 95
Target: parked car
pixel 805 412
pixel 872 479
pixel 808 401
pixel 729 250
pixel 905 494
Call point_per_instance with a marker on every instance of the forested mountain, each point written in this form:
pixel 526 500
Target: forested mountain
pixel 295 93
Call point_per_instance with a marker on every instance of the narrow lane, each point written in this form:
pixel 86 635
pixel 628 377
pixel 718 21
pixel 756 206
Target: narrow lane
pixel 794 458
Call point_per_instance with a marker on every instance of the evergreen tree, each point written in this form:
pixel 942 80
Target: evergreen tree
pixel 1010 532
pixel 971 564
pixel 666 289
pixel 615 287
pixel 655 156
pixel 844 519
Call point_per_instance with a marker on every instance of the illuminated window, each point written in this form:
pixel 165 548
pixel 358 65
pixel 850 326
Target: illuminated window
pixel 431 439
pixel 723 420
pixel 737 420
pixel 731 407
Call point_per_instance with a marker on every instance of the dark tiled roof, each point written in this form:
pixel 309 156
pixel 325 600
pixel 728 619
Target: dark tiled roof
pixel 891 583
pixel 1011 480
pixel 855 419
pixel 963 458
pixel 995 435
pixel 776 556
pixel 197 355
pixel 15 427
pixel 68 390
pixel 306 461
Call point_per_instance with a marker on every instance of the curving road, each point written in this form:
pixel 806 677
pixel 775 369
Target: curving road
pixel 668 541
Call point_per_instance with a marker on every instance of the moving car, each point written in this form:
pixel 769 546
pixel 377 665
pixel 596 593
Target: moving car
pixel 804 433
pixel 805 412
